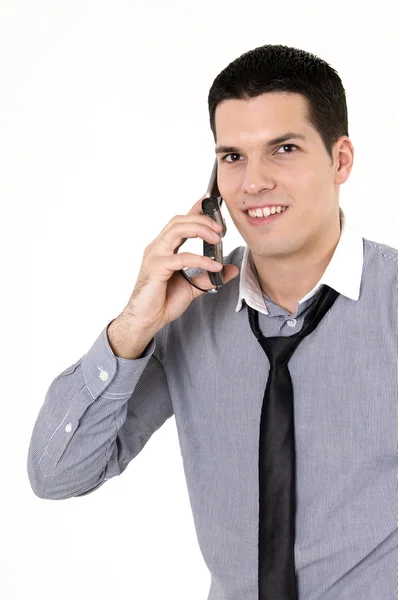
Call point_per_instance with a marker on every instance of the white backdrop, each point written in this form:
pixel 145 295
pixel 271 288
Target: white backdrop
pixel 104 137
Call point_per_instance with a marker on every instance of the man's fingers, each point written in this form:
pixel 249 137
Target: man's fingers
pixel 197 207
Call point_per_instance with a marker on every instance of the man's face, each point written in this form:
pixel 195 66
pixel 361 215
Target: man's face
pixel 300 176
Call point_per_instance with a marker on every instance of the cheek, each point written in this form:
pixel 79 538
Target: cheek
pixel 306 183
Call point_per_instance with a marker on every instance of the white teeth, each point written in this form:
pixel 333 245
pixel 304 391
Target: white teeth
pixel 266 212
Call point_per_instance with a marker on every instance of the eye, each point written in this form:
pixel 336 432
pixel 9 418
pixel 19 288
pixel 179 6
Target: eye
pixel 232 154
pixel 286 146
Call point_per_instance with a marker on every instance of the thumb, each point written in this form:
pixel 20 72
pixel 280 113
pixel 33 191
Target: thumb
pixel 229 272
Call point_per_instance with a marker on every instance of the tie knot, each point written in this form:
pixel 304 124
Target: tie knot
pixel 279 349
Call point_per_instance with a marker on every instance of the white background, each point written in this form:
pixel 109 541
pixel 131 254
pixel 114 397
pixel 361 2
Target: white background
pixel 104 137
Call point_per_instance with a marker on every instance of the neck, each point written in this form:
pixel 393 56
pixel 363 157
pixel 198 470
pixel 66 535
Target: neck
pixel 288 279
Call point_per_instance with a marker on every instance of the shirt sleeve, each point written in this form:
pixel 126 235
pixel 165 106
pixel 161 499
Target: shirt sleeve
pixel 97 415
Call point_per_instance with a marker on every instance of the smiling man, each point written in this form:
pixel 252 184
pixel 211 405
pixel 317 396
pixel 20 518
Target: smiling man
pixel 283 384
pixel 271 157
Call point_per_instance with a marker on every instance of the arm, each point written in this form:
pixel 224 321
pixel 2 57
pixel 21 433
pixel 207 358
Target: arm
pixel 97 416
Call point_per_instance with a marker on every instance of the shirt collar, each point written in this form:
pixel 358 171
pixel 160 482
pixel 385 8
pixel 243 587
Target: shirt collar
pixel 343 273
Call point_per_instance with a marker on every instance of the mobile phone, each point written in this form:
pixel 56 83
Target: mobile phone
pixel 211 206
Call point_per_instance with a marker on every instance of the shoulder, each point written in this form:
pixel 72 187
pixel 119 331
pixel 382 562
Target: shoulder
pixel 235 256
pixel 381 250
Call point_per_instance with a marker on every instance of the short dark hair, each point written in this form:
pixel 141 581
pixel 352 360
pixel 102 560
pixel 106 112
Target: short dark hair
pixel 277 68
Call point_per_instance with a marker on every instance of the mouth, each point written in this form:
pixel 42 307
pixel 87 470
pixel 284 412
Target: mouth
pixel 258 221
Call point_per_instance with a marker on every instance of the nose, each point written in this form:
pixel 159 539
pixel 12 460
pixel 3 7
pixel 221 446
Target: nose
pixel 257 178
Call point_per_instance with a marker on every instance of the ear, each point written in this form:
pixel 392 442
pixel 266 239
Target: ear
pixel 344 153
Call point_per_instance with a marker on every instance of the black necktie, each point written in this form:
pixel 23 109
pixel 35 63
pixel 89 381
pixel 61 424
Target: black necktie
pixel 277 458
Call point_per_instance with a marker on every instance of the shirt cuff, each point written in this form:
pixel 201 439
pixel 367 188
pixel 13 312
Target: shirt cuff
pixel 103 371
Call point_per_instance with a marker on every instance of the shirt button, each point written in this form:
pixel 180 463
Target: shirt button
pixel 103 375
pixel 68 428
pixel 292 322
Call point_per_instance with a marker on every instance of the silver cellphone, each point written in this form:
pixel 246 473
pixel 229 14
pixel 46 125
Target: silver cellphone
pixel 211 206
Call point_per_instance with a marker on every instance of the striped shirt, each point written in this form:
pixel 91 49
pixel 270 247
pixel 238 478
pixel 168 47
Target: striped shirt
pixel 207 370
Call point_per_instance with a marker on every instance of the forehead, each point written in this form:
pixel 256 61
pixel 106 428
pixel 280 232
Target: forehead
pixel 264 117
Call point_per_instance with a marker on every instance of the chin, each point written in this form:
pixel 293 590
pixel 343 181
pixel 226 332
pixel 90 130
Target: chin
pixel 279 249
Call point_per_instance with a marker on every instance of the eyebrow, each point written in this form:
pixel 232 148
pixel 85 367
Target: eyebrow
pixel 278 140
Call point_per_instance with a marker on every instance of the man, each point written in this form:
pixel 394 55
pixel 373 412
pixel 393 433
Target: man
pixel 279 120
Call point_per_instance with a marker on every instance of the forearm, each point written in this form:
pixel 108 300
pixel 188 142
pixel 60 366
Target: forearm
pixel 127 340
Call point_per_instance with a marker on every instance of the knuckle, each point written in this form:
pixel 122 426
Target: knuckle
pixel 184 258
